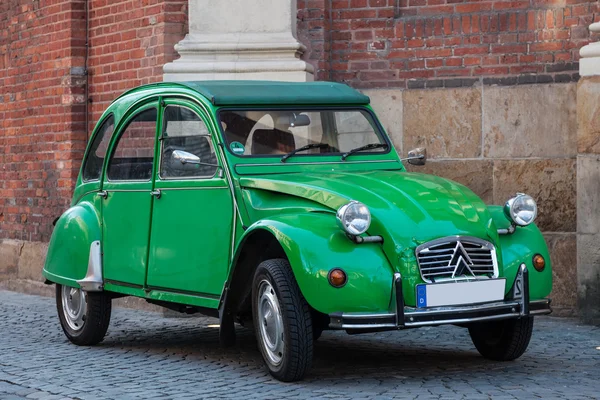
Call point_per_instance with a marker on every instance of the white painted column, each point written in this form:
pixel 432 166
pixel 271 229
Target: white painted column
pixel 588 181
pixel 240 39
pixel 589 64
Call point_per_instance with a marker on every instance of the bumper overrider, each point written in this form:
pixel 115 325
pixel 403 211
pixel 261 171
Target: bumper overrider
pixel 517 306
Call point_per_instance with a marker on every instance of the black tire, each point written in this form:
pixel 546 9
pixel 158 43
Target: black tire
pixel 95 319
pixel 297 353
pixel 504 340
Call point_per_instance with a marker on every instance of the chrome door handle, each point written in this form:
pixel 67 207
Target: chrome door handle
pixel 156 193
pixel 103 194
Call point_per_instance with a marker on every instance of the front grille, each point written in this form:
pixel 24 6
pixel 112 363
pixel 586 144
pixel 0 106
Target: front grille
pixel 457 258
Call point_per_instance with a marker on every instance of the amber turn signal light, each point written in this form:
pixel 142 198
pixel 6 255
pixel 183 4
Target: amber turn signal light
pixel 539 263
pixel 337 277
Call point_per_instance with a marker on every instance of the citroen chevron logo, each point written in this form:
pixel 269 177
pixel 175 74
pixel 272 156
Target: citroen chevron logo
pixel 461 261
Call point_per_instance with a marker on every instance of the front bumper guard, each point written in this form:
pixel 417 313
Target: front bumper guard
pixel 410 317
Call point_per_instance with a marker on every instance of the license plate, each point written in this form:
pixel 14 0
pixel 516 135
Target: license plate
pixel 460 293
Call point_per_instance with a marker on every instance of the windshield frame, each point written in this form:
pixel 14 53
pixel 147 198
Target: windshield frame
pixel 377 128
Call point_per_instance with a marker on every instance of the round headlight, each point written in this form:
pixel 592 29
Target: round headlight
pixel 354 218
pixel 521 209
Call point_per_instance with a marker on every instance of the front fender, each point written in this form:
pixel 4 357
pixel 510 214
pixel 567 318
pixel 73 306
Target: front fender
pixel 69 248
pixel 314 244
pixel 520 247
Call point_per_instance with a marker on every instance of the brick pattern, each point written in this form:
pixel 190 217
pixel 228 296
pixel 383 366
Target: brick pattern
pixel 42 112
pixel 314 17
pixel 43 92
pixel 436 43
pixel 130 41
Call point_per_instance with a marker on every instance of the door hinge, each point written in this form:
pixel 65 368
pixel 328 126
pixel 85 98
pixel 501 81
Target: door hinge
pixel 103 194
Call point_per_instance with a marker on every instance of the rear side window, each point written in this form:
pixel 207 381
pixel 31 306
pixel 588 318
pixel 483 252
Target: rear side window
pixel 134 153
pixel 95 159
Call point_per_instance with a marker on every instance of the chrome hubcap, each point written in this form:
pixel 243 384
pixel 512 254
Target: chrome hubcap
pixel 270 322
pixel 74 307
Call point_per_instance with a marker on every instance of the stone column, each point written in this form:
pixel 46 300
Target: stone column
pixel 240 39
pixel 588 181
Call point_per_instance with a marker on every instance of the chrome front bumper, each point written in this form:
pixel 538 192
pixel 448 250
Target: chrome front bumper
pixel 411 317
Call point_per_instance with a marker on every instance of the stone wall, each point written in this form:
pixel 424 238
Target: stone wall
pixel 500 140
pixel 588 200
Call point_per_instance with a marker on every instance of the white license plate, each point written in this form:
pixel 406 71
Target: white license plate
pixel 460 293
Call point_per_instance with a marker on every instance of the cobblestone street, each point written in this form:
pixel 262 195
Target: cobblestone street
pixel 147 356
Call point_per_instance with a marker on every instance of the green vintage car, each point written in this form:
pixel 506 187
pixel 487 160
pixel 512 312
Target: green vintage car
pixel 284 207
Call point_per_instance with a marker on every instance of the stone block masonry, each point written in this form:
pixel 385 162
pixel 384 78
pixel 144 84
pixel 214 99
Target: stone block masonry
pixel 498 141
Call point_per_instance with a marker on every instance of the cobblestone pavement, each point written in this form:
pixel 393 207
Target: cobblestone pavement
pixel 146 356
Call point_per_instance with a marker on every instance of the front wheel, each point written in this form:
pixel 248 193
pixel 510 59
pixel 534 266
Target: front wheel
pixel 504 340
pixel 84 317
pixel 282 321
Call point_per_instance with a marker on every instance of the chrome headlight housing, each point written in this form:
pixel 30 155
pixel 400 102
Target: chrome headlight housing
pixel 521 209
pixel 354 218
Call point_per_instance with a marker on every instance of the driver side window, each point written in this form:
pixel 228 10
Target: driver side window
pixel 185 131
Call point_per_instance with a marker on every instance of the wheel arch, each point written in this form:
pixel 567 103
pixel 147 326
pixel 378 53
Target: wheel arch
pixel 70 245
pixel 257 245
pixel 313 244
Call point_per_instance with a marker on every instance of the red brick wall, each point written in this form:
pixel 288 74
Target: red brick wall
pixel 43 87
pixel 434 43
pixel 314 31
pixel 130 41
pixel 42 134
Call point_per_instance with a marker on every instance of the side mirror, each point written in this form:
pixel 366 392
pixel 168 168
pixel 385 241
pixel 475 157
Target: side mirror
pixel 184 157
pixel 417 156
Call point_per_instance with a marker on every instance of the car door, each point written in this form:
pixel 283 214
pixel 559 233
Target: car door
pixel 126 209
pixel 190 242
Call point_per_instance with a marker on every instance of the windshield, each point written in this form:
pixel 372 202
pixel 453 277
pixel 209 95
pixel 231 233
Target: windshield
pixel 279 132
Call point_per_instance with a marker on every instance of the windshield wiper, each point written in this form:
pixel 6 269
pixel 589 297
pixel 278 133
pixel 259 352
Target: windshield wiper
pixel 304 148
pixel 361 148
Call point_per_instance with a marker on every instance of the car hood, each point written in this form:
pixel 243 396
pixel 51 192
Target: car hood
pixel 409 208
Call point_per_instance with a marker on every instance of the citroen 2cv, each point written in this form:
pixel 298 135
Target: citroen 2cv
pixel 285 207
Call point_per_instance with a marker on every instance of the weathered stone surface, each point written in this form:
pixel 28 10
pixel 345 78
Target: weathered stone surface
pixel 588 276
pixel 588 115
pixel 9 258
pixel 446 121
pixel 530 121
pixel 28 286
pixel 563 254
pixel 477 175
pixel 550 182
pixel 387 103
pixel 31 261
pixel 588 189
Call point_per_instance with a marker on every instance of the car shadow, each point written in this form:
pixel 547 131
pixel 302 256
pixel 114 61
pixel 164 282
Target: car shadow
pixel 382 356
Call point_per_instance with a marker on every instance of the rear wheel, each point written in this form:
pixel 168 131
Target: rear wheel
pixel 282 321
pixel 84 317
pixel 504 340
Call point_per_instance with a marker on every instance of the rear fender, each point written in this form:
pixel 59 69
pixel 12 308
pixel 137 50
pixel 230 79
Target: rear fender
pixel 314 244
pixel 70 251
pixel 520 247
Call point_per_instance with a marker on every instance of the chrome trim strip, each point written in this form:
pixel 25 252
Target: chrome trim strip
pixel 127 190
pixel 344 321
pixel 372 316
pixel 85 194
pixel 463 320
pixel 92 282
pixel 458 309
pixel 194 188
